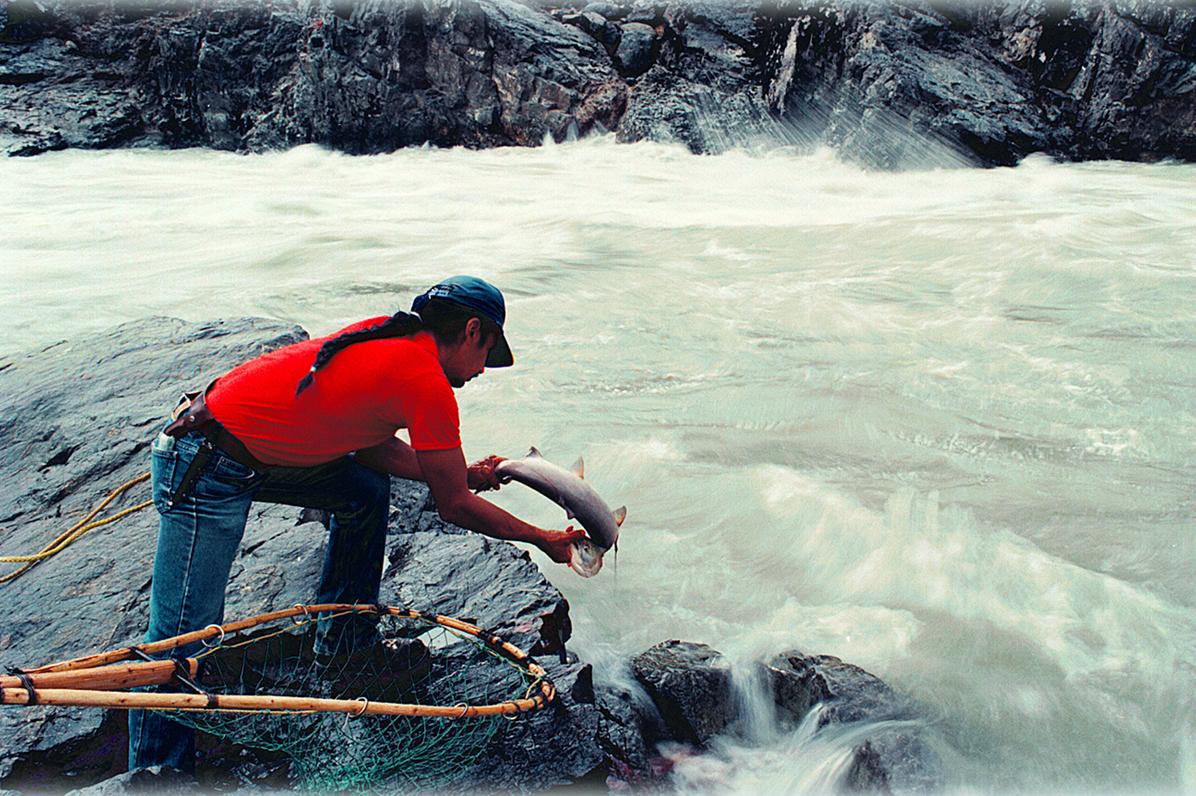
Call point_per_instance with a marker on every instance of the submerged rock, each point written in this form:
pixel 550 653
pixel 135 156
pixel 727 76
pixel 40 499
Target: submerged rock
pixel 894 756
pixel 691 687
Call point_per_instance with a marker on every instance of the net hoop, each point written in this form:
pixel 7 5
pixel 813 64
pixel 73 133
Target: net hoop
pixel 93 680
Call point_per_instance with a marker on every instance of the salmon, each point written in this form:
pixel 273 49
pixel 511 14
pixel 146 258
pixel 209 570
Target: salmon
pixel 581 502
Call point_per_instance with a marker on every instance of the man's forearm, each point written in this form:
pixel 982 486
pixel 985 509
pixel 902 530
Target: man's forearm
pixel 476 514
pixel 469 511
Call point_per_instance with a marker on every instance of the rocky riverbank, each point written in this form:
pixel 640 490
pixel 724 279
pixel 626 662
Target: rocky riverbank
pixel 888 85
pixel 76 419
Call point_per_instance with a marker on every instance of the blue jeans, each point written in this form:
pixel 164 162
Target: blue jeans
pixel 198 539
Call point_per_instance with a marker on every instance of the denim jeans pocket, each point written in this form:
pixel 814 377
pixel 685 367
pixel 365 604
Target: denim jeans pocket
pixel 163 470
pixel 231 471
pixel 226 478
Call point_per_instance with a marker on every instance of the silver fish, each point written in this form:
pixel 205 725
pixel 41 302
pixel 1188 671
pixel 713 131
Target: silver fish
pixel 579 500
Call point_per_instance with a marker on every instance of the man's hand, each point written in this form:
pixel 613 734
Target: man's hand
pixel 481 476
pixel 557 543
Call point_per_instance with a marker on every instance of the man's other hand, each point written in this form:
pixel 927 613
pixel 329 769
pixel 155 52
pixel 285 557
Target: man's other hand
pixel 557 544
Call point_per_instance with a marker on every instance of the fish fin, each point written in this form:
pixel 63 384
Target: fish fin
pixel 619 514
pixel 532 453
pixel 579 468
pixel 568 514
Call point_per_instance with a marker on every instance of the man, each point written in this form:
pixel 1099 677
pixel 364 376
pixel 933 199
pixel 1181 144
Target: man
pixel 314 424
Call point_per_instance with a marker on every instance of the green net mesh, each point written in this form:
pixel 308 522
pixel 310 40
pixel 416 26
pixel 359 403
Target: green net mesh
pixel 419 662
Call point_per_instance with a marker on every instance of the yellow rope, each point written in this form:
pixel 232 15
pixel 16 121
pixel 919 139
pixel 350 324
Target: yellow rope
pixel 77 530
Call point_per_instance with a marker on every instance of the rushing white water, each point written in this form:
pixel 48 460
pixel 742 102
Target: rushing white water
pixel 940 424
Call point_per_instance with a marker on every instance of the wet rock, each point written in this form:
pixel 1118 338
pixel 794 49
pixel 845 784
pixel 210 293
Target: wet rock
pixel 629 728
pixel 690 684
pixel 847 693
pixel 636 50
pixel 894 756
pixel 555 746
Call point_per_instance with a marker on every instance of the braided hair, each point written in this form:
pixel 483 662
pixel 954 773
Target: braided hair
pixel 444 319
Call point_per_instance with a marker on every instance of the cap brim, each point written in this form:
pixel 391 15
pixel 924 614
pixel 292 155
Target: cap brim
pixel 500 354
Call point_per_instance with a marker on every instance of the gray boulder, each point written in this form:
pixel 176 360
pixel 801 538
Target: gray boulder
pixel 629 728
pixel 552 747
pixel 636 50
pixel 690 685
pixel 847 693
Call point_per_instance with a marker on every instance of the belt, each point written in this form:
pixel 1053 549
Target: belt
pixel 192 416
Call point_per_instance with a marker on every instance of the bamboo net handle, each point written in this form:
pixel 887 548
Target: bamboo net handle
pixel 125 653
pixel 140 700
pixel 130 675
pixel 84 681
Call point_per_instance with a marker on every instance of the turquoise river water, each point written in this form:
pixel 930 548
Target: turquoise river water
pixel 940 424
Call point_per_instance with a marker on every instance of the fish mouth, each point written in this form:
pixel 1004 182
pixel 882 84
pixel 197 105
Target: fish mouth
pixel 585 558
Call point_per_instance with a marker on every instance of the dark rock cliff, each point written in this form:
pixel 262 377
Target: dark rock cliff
pixel 889 85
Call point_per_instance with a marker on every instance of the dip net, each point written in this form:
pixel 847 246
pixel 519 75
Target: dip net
pixel 413 711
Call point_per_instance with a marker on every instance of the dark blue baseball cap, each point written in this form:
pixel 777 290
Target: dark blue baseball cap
pixel 480 295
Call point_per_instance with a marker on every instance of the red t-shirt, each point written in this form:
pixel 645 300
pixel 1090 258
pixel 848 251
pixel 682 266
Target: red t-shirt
pixel 359 399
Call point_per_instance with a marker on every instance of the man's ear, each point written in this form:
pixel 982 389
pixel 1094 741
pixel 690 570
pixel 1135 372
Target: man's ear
pixel 473 329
